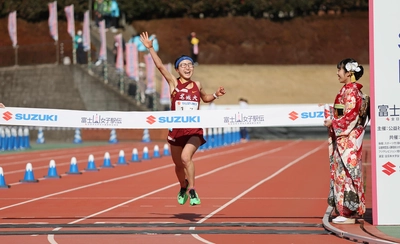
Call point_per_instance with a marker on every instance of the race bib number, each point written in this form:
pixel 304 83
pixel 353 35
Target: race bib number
pixel 186 105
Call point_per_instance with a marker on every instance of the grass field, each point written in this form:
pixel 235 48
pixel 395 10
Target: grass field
pixel 274 84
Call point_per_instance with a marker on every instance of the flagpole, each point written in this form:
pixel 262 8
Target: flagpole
pixel 57 52
pixel 73 51
pixel 16 55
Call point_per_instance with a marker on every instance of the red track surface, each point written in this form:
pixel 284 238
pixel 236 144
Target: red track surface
pixel 276 190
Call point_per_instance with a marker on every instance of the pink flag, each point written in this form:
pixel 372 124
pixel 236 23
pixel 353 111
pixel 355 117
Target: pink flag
pixel 119 62
pixel 150 73
pixel 132 61
pixel 103 45
pixel 69 13
pixel 53 22
pixel 12 27
pixel 165 96
pixel 86 31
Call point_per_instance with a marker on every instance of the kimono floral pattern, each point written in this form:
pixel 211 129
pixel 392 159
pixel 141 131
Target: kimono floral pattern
pixel 345 154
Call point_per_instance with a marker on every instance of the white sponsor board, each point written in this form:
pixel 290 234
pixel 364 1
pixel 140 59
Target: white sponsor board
pixel 385 108
pixel 274 116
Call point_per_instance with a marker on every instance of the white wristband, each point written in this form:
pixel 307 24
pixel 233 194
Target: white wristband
pixel 215 96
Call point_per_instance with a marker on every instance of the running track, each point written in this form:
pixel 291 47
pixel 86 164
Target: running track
pixel 255 192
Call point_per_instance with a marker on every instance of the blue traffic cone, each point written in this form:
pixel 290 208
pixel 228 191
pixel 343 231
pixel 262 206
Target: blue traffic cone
pixel 13 139
pixel 52 172
pixel 91 166
pixel 8 139
pixel 202 147
pixel 26 138
pixel 20 139
pixel 113 137
pixel 29 177
pixel 107 161
pixel 220 141
pixel 166 150
pixel 73 167
pixel 40 136
pixel 145 153
pixel 77 136
pixel 2 180
pixel 146 136
pixel 2 139
pixel 209 138
pixel 121 158
pixel 156 152
pixel 135 155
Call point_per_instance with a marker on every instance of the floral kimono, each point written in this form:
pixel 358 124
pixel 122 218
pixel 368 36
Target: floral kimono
pixel 345 153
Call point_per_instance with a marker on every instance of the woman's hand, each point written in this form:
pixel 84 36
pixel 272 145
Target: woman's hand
pixel 144 38
pixel 328 123
pixel 221 91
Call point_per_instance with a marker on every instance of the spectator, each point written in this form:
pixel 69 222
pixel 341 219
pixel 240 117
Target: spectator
pixel 194 47
pixel 114 16
pixel 107 13
pixel 2 105
pixel 155 42
pixel 115 50
pixel 100 9
pixel 78 45
pixel 244 135
pixel 135 39
pixel 346 193
pixel 139 45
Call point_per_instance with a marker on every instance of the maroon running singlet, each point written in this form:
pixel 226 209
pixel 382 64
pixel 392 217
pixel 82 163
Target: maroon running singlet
pixel 183 98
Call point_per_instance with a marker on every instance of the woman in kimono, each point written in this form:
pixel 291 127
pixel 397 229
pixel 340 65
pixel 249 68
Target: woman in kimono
pixel 345 146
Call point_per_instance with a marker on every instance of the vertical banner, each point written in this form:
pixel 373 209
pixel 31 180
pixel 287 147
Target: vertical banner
pixel 385 110
pixel 103 42
pixel 119 62
pixel 150 74
pixel 165 96
pixel 132 61
pixel 69 13
pixel 53 21
pixel 12 27
pixel 86 31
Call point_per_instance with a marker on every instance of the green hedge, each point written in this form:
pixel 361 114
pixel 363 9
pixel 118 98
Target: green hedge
pixel 37 10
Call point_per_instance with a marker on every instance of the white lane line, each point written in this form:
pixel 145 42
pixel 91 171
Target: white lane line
pixel 51 237
pixel 119 178
pixel 250 189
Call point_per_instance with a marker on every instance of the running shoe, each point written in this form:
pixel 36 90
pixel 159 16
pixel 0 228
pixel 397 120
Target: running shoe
pixel 182 195
pixel 194 198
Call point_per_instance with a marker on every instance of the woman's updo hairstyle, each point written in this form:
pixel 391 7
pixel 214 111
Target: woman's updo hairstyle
pixel 350 65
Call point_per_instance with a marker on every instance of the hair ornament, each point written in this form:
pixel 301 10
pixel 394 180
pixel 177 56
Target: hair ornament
pixel 352 67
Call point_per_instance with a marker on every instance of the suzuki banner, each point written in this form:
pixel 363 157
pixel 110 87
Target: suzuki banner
pixel 274 116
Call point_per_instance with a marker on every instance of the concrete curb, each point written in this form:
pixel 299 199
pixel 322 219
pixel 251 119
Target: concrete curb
pixel 347 235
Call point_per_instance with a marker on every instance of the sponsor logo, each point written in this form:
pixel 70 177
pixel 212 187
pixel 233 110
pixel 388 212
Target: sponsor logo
pixel 244 119
pixel 293 115
pixel 7 116
pixel 151 119
pixel 388 168
pixel 312 115
pixel 306 115
pixel 173 119
pixel 98 120
pixel 179 119
pixel 36 117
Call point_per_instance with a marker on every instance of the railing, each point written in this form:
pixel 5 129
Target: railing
pixel 54 53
